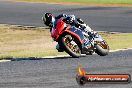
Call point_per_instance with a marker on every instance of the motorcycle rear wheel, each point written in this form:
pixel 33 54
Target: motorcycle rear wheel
pixel 102 48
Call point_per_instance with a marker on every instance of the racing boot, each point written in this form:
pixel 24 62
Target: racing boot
pixel 59 48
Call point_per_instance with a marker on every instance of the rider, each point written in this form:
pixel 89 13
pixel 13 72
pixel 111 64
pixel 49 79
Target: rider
pixel 50 20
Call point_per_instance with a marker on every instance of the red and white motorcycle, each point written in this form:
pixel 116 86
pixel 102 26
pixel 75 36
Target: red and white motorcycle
pixel 71 40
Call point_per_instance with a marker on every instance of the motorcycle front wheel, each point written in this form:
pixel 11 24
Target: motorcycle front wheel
pixel 70 45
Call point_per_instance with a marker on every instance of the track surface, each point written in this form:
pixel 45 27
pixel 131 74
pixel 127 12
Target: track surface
pixel 99 18
pixel 60 73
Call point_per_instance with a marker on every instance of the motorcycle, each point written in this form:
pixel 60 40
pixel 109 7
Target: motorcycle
pixel 72 39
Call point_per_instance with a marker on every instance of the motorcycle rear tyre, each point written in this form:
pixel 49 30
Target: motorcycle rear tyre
pixel 100 51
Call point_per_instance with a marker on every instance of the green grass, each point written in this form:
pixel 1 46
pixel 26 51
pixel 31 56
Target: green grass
pixel 18 43
pixel 85 1
pixel 28 54
pixel 118 41
pixel 26 43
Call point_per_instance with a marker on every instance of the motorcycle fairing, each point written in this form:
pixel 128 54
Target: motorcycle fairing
pixel 61 28
pixel 57 31
pixel 77 33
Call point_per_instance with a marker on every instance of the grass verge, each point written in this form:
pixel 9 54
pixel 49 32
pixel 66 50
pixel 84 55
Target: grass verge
pixel 22 42
pixel 85 2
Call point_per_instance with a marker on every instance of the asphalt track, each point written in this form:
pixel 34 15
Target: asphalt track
pixel 115 19
pixel 61 72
